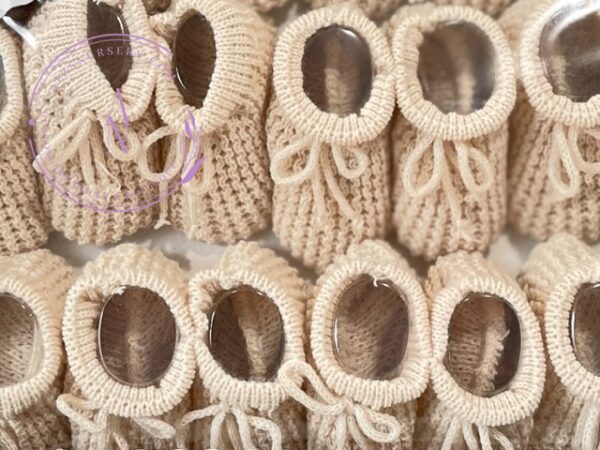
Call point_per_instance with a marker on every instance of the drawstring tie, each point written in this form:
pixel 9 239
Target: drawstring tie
pixel 486 435
pixel 362 423
pixel 236 422
pixel 7 441
pixel 588 427
pixel 186 159
pixel 319 171
pixel 441 175
pixel 83 137
pixel 565 157
pixel 75 409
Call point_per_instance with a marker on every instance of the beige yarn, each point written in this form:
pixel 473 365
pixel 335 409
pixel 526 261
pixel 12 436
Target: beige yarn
pixel 239 414
pixel 78 151
pixel 22 220
pixel 568 414
pixel 104 412
pixel 331 173
pixel 344 411
pixel 375 9
pixel 28 417
pixel 450 186
pixel 554 170
pixel 491 7
pixel 453 416
pixel 230 197
pixel 263 6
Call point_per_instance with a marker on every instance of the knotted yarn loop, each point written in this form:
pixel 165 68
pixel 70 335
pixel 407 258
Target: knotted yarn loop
pixel 465 156
pixel 587 429
pixel 319 171
pixel 565 157
pixel 486 436
pixel 347 417
pixel 76 408
pixel 235 422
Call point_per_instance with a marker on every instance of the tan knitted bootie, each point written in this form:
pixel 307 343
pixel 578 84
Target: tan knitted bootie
pixel 249 315
pixel 32 360
pixel 22 221
pixel 130 346
pixel 488 359
pixel 214 115
pixel 562 280
pixel 554 162
pixel 370 346
pixel 326 132
pixel 90 110
pixel 455 89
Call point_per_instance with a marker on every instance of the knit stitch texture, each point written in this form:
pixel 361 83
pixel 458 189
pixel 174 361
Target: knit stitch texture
pixel 453 415
pixel 450 183
pixel 28 416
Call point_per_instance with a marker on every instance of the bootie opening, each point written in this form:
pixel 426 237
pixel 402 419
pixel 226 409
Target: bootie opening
pixel 112 54
pixel 456 67
pixel 246 335
pixel 337 70
pixel 584 331
pixel 370 330
pixel 484 344
pixel 137 335
pixel 194 58
pixel 568 45
pixel 21 350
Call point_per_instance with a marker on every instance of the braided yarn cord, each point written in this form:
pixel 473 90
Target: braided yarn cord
pixel 22 221
pixel 552 277
pixel 104 411
pixel 256 413
pixel 32 360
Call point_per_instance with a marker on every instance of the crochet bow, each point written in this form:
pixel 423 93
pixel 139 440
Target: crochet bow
pixel 240 435
pixel 565 156
pixel 83 137
pixel 345 416
pixel 486 435
pixel 7 441
pixel 76 409
pixel 185 159
pixel 588 427
pixel 319 171
pixel 465 155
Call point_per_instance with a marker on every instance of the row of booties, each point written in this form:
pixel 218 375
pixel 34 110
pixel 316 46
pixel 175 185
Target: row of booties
pixel 550 399
pixel 324 180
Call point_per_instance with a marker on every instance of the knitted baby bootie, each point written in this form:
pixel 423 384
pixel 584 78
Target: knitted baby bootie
pixel 90 88
pixel 370 347
pixel 22 221
pixel 455 89
pixel 249 315
pixel 32 361
pixel 213 107
pixel 488 359
pixel 130 347
pixel 554 162
pixel 326 132
pixel 562 280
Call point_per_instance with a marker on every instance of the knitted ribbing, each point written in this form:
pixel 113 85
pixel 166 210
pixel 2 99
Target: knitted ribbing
pixel 93 192
pixel 491 7
pixel 229 198
pixel 551 277
pixel 103 411
pixel 553 181
pixel 452 414
pixel 22 221
pixel 254 414
pixel 331 173
pixel 28 416
pixel 345 411
pixel 450 186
